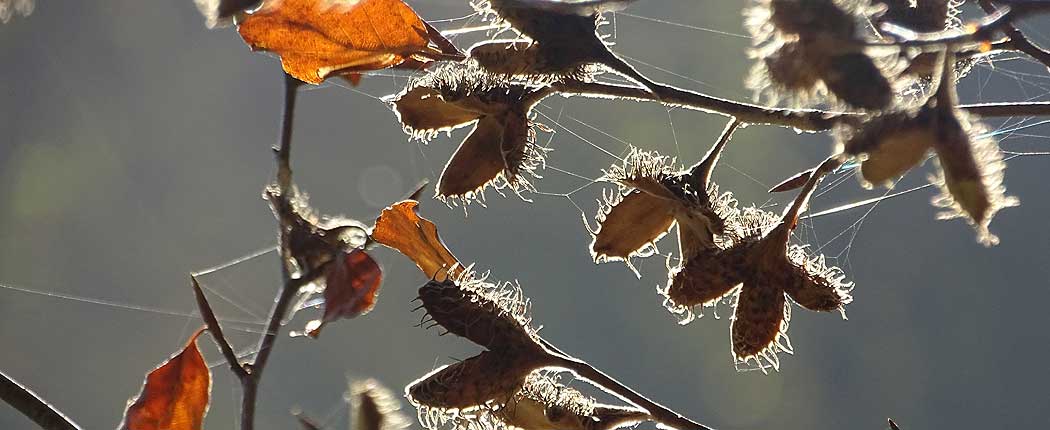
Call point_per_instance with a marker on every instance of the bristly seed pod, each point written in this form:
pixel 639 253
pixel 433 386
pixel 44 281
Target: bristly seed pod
pixel 529 61
pixel 545 404
pixel 494 317
pixel 489 377
pixel 890 144
pixel 500 151
pixel 799 47
pixel 565 35
pixel 652 197
pixel 760 270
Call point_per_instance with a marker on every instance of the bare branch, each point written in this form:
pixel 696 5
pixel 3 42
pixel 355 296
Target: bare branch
pixel 32 406
pixel 801 119
pixel 1018 40
pixel 216 330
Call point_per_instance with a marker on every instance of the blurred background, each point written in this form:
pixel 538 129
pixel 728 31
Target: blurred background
pixel 134 144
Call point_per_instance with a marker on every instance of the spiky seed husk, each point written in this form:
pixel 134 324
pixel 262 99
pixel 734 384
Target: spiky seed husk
pixel 759 319
pixel 817 286
pixel 891 144
pixel 423 112
pixel 477 382
pixel 855 79
pixel 972 171
pixel 706 277
pixel 792 68
pixel 918 15
pixel 544 403
pixel 629 225
pixel 374 407
pixel 527 60
pixel 494 317
pixel 811 17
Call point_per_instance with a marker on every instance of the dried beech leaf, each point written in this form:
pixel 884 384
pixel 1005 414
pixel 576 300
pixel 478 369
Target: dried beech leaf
pixel 316 38
pixel 175 395
pixel 638 219
pixel 401 228
pixel 351 289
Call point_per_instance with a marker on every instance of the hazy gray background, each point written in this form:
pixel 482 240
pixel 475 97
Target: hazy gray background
pixel 134 145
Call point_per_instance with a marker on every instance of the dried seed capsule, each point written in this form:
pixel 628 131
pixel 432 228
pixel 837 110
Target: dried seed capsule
pixel 891 144
pixel 529 61
pixel 566 34
pixel 543 403
pixel 918 15
pixel 807 18
pixel 652 196
pixel 500 151
pixel 768 271
pixel 971 176
pixel 489 377
pixel 495 317
pixel 856 80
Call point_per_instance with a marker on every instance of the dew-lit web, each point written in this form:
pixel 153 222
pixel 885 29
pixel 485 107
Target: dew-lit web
pixel 834 225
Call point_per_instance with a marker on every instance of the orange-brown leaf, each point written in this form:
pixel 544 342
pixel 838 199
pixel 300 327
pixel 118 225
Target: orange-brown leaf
pixel 401 228
pixel 316 38
pixel 351 288
pixel 175 395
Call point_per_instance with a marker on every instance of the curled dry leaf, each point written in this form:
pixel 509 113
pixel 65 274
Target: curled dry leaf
pixel 318 38
pixel 175 395
pixel 351 289
pixel 401 228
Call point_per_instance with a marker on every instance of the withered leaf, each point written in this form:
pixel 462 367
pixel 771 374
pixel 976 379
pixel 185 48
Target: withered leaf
pixel 318 38
pixel 401 228
pixel 175 395
pixel 351 288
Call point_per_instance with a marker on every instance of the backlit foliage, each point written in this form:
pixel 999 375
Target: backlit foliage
pixel 887 71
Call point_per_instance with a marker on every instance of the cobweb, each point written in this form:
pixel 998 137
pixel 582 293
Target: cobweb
pixel 583 143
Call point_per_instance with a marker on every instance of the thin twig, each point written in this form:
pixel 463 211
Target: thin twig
pixel 216 330
pixel 289 286
pixel 584 370
pixel 801 119
pixel 998 21
pixel 284 150
pixel 32 406
pixel 1018 40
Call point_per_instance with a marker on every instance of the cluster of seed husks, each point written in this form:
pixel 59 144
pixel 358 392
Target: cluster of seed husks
pixel 971 167
pixel 500 151
pixel 724 251
pixel 806 48
pixel 504 385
